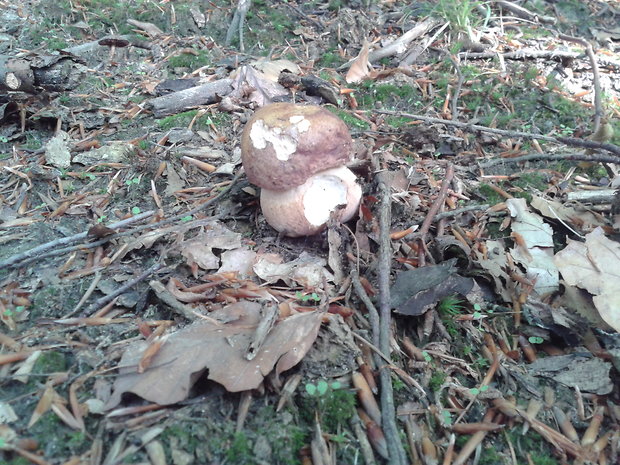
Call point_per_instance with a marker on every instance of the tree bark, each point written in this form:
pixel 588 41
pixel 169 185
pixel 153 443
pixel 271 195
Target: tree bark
pixel 55 73
pixel 190 98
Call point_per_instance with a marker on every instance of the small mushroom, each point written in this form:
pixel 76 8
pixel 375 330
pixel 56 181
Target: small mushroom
pixel 297 155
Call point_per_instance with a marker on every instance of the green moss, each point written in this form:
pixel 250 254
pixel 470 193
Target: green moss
pixel 180 120
pixel 436 381
pixel 66 441
pixel 240 450
pixel 351 121
pixel 190 60
pixel 50 362
pixel 397 121
pixel 532 182
pixel 491 456
pixel 391 96
pixel 330 60
pixel 489 195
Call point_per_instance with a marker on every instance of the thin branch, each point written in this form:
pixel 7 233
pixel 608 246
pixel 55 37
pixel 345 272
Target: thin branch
pixel 445 183
pixel 38 253
pixel 121 290
pixel 552 156
pixel 458 211
pixel 598 105
pixel 388 410
pixel 373 314
pixel 571 141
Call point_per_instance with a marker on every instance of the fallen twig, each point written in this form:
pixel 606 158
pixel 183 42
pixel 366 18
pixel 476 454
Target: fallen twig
pixel 521 54
pixel 388 411
pixel 552 156
pixel 121 290
pixel 426 224
pixel 598 105
pixel 571 141
pixel 36 251
pixel 39 252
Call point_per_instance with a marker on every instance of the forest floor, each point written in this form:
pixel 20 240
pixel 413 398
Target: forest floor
pixel 468 315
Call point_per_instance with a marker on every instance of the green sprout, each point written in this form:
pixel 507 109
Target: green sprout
pixel 307 297
pixel 476 391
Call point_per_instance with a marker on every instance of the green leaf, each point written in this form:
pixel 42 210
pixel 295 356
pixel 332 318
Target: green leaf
pixel 187 218
pixel 336 385
pixel 484 388
pixel 535 340
pixel 426 356
pixel 135 210
pixel 322 387
pixel 474 391
pixel 477 307
pixel 311 389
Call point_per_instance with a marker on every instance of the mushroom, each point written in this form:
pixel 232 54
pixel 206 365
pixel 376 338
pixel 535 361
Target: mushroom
pixel 297 155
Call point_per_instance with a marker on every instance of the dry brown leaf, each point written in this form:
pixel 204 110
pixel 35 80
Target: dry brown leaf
pixel 307 270
pixel 595 267
pixel 254 85
pixel 272 68
pixel 580 219
pixel 198 251
pixel 360 67
pixel 150 352
pixel 44 404
pixel 533 246
pixel 220 349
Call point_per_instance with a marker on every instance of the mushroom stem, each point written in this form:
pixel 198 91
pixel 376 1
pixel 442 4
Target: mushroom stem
pixel 306 209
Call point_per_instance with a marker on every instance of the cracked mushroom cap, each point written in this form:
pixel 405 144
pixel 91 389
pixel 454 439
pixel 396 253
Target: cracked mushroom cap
pixel 284 144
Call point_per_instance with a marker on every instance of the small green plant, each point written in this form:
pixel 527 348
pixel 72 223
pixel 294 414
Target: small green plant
pixel 535 340
pixel 135 210
pixel 321 387
pixel 476 391
pixel 333 405
pixel 3 139
pixel 451 305
pixel 10 312
pixel 132 182
pixel 461 14
pixel 307 297
pixel 436 381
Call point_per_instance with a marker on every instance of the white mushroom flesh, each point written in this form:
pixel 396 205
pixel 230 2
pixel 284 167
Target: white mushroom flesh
pixel 324 193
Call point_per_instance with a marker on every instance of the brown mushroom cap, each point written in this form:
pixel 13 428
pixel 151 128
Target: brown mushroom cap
pixel 284 144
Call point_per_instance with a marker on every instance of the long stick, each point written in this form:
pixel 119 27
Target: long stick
pixel 388 410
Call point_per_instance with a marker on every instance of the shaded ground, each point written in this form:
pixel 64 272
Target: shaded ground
pixel 484 359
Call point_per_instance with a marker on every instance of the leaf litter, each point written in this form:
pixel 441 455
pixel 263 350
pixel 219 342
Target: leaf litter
pixel 510 303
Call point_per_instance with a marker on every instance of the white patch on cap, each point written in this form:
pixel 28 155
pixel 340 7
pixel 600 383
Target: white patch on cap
pixel 324 194
pixel 300 122
pixel 283 144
